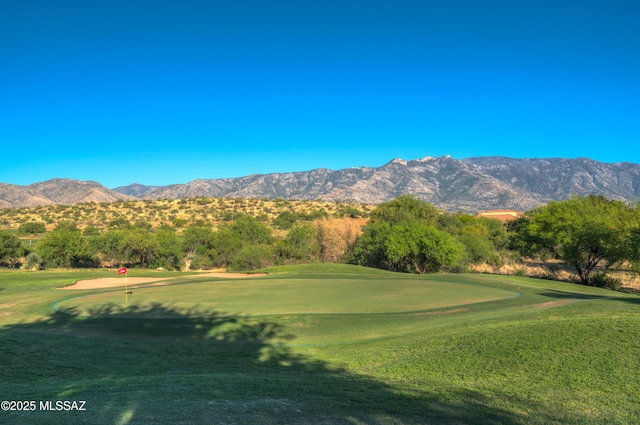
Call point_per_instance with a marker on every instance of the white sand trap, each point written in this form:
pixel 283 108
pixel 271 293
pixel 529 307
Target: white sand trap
pixel 113 282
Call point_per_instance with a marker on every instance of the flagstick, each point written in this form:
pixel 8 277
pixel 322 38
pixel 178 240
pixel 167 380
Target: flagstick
pixel 123 271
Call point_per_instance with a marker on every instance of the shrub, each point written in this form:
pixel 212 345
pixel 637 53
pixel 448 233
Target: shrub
pixel 252 257
pixel 33 262
pixel 521 272
pixel 31 227
pixel 496 260
pixel 602 280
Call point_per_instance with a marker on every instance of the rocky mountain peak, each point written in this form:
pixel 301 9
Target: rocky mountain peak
pixel 470 185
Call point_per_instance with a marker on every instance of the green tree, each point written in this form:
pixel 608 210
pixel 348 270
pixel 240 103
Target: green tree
pixel 300 244
pixel 421 248
pixel 68 225
pixel 226 245
pixel 497 232
pixel 109 246
pixel 583 231
pixel 31 228
pixel 369 250
pixel 196 242
pixel 251 231
pixel 11 249
pixel 405 208
pixel 478 247
pixel 168 252
pixel 139 246
pixel 64 247
pixel 252 257
pixel 285 220
pixel 371 247
pixel 633 248
pixel 350 211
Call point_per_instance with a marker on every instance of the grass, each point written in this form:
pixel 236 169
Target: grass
pixel 301 346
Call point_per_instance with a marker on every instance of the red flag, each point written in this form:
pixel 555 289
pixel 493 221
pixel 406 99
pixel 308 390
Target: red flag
pixel 122 270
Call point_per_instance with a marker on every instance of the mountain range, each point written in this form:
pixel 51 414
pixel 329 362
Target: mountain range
pixel 469 185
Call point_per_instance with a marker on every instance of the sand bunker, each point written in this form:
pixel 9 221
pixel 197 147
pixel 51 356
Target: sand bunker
pixel 113 282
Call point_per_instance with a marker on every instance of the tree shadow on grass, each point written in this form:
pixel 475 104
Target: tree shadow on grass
pixel 572 295
pixel 163 365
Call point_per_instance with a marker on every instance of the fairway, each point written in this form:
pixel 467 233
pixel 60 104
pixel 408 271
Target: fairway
pixel 320 344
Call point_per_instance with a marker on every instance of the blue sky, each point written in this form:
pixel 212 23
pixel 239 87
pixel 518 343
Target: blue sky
pixel 161 92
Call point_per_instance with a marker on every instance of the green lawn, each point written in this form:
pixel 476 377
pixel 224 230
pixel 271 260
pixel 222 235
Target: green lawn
pixel 321 344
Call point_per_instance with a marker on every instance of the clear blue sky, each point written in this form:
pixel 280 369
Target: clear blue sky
pixel 160 92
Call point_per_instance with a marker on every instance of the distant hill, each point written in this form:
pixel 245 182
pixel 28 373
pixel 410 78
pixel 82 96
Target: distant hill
pixel 56 191
pixel 471 185
pixel 136 190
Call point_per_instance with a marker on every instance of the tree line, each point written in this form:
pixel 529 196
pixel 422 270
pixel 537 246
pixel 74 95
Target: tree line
pixel 406 234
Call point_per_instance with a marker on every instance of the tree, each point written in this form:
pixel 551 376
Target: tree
pixel 251 231
pixel 109 246
pixel 478 247
pixel 225 247
pixel 64 247
pixel 196 240
pixel 300 244
pixel 168 253
pixel 285 220
pixel 68 225
pixel 583 231
pixel 11 249
pixel 421 248
pixel 496 232
pixel 252 257
pixel 405 208
pixel 369 249
pixel 139 245
pixel 31 228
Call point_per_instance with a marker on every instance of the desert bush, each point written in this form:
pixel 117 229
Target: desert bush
pixel 252 257
pixel 521 272
pixel 337 236
pixel 602 280
pixel 31 227
pixel 33 261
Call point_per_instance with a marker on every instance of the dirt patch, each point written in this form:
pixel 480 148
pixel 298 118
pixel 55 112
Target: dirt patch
pixel 113 282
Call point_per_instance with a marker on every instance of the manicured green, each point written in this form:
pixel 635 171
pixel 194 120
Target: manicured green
pixel 321 344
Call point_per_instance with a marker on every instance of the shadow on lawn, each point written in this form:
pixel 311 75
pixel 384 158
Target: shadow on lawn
pixel 572 295
pixel 164 365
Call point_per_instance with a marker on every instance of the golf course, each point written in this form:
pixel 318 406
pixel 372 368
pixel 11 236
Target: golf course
pixel 315 344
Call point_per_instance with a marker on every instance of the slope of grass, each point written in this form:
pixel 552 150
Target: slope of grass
pixel 552 354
